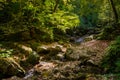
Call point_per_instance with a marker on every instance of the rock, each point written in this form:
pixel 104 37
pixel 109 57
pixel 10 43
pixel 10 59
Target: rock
pixel 13 78
pixel 49 48
pixel 76 54
pixel 69 51
pixel 54 51
pixel 60 56
pixel 87 63
pixel 42 50
pixel 81 39
pixel 8 67
pixel 49 52
pixel 89 38
pixel 29 74
pixel 33 58
pixel 23 48
pixel 42 66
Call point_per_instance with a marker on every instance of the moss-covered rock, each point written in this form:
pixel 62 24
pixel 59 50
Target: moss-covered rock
pixel 33 58
pixel 49 52
pixel 23 48
pixel 42 50
pixel 46 50
pixel 8 67
pixel 75 54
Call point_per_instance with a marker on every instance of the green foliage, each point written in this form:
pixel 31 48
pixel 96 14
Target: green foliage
pixel 109 32
pixel 117 63
pixel 111 62
pixel 104 34
pixel 6 53
pixel 63 20
pixel 17 15
pixel 45 15
pixel 105 12
pixel 88 11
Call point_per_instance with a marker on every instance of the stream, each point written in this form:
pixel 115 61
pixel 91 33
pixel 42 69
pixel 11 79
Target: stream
pixel 47 65
pixel 81 39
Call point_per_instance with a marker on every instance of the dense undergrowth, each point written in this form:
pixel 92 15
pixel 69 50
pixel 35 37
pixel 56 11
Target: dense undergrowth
pixel 111 62
pixel 110 31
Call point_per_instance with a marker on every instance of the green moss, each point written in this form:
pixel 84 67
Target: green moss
pixel 8 67
pixel 33 58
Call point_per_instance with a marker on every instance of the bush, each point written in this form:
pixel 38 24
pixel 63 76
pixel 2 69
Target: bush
pixel 6 53
pixel 111 62
pixel 29 15
pixel 109 32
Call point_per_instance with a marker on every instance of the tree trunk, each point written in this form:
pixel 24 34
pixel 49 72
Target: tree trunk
pixel 114 11
pixel 56 5
pixel 32 32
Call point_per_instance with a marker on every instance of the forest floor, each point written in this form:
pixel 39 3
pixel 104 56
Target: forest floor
pixel 73 61
pixel 70 61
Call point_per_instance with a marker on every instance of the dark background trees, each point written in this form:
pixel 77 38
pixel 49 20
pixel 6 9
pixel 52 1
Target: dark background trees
pixel 19 15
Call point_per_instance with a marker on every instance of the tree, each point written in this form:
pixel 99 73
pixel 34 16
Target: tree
pixel 114 11
pixel 41 14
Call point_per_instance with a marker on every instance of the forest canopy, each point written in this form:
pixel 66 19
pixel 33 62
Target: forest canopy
pixel 20 15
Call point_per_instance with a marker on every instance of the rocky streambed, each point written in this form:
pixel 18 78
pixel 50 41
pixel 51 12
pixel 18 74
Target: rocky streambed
pixel 79 61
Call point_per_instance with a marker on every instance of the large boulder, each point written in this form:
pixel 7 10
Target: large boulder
pixel 46 50
pixel 8 67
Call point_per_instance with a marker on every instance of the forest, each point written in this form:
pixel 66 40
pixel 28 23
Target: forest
pixel 59 40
